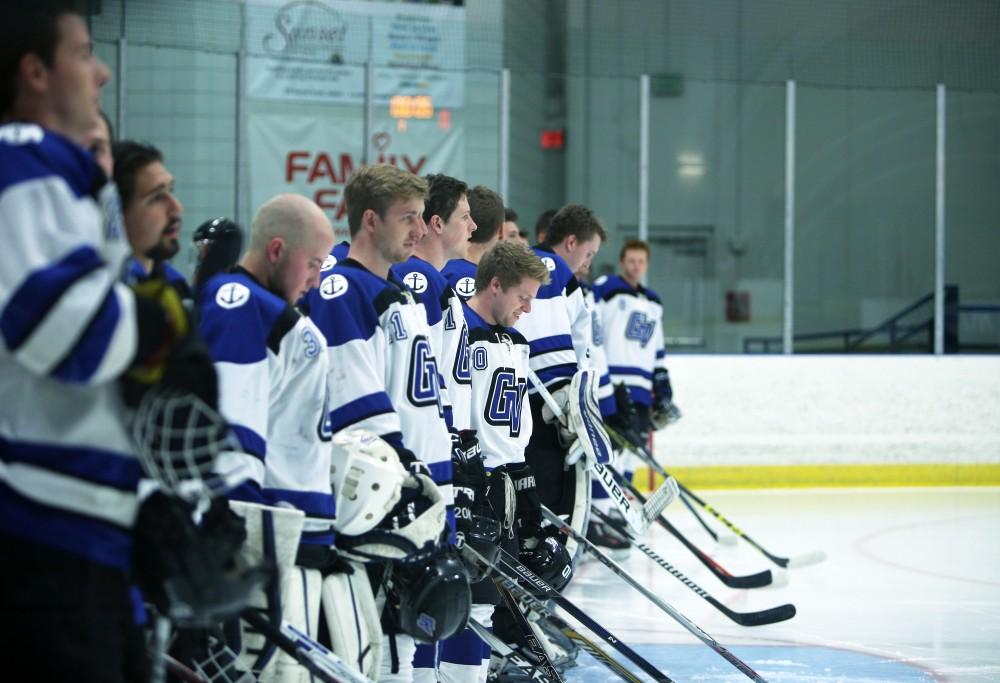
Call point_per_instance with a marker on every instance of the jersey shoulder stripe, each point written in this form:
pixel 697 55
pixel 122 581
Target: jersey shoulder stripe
pixel 347 304
pixel 562 276
pixel 30 152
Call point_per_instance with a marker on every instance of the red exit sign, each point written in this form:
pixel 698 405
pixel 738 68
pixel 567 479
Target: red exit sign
pixel 552 139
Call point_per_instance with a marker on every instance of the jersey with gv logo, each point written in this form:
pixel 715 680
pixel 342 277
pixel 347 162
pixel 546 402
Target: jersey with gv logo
pixel 273 368
pixel 384 375
pixel 498 359
pixel 449 333
pixel 633 334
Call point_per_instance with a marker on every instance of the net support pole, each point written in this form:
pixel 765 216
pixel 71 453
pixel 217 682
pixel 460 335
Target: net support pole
pixel 504 112
pixel 120 88
pixel 367 149
pixel 788 319
pixel 939 225
pixel 644 159
pixel 241 133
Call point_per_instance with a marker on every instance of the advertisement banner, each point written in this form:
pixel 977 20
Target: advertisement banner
pixel 316 156
pixel 315 51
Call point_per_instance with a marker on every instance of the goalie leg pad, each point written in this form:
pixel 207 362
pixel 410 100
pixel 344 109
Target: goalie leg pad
pixel 353 620
pixel 583 417
pixel 580 512
pixel 300 592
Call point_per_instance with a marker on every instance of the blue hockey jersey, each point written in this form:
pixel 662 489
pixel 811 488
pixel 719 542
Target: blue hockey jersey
pixel 273 369
pixel 461 275
pixel 384 375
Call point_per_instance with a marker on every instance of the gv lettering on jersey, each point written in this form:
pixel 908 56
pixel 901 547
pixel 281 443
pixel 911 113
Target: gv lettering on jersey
pixel 640 328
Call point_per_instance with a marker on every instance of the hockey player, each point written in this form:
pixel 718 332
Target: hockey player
pixel 449 227
pixel 507 281
pixel 559 332
pixel 488 213
pixel 631 316
pixel 152 211
pixel 98 143
pixel 70 330
pixel 384 375
pixel 273 370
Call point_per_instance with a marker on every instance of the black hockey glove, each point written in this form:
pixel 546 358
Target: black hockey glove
pixel 529 507
pixel 626 419
pixel 465 446
pixel 663 411
pixel 662 391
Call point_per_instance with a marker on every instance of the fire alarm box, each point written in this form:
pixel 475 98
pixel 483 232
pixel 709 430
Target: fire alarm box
pixel 737 306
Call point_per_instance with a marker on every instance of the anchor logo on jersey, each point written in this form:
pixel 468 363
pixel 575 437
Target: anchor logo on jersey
pixel 640 328
pixel 416 281
pixel 232 295
pixel 466 287
pixel 333 286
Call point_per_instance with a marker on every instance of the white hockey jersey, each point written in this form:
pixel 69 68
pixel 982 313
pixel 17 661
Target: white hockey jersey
pixel 384 376
pixel 273 370
pixel 449 333
pixel 633 334
pixel 598 358
pixel 68 474
pixel 499 363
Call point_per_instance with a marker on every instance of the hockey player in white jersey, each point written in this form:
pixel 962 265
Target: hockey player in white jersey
pixel 631 316
pixel 384 375
pixel 273 369
pixel 69 330
pixel 559 332
pixel 507 281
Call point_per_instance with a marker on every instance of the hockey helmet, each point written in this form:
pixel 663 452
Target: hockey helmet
pixel 367 480
pixel 434 597
pixel 219 242
pixel 550 561
pixel 411 531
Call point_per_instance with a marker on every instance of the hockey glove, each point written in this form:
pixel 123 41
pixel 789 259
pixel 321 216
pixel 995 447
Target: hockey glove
pixel 663 412
pixel 528 516
pixel 465 447
pixel 626 418
pixel 566 435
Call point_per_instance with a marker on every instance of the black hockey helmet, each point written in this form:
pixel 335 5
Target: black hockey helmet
pixel 550 561
pixel 482 534
pixel 434 596
pixel 219 242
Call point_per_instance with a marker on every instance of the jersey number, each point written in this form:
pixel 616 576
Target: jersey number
pixel 503 408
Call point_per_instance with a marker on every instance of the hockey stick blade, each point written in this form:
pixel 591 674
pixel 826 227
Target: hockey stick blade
pixel 758 580
pixel 768 616
pixel 807 559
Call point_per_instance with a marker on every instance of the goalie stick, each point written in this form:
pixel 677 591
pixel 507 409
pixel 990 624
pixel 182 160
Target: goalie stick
pixel 724 538
pixel 511 572
pixel 804 560
pixel 638 519
pixel 768 616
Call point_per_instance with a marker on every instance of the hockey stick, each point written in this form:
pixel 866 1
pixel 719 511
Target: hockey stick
pixel 768 616
pixel 784 562
pixel 511 572
pixel 763 578
pixel 638 519
pixel 537 650
pixel 317 659
pixel 616 436
pixel 740 665
pixel 514 568
pixel 514 654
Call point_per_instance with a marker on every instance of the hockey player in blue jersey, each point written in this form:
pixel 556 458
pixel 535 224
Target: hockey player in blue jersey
pixel 487 210
pixel 384 374
pixel 272 365
pixel 151 209
pixel 70 330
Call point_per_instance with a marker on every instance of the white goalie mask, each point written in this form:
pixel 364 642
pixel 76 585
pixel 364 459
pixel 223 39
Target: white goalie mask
pixel 367 480
pixel 411 531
